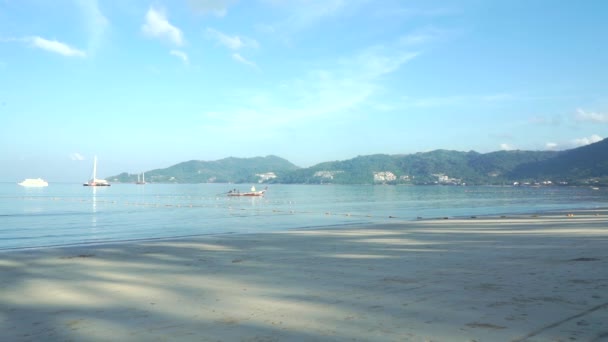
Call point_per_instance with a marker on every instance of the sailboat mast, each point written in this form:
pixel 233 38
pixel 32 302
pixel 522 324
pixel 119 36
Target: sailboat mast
pixel 95 168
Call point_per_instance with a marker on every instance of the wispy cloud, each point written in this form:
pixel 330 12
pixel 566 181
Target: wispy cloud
pixel 425 35
pixel 301 15
pixel 237 57
pixel 55 47
pixel 328 95
pixel 96 23
pixel 232 42
pixel 545 121
pixel 595 117
pixel 157 26
pixel 411 12
pixel 456 100
pixel 311 12
pixel 216 7
pixel 76 156
pixel 180 54
pixel 379 60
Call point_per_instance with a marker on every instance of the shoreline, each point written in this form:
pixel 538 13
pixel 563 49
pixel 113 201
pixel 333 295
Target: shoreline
pixel 485 279
pixel 389 220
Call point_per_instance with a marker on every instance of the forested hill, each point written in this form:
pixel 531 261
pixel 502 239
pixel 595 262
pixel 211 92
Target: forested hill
pixel 587 162
pixel 435 167
pixel 228 170
pixel 583 165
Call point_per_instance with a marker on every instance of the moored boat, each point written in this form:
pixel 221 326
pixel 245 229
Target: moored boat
pixel 141 180
pixel 252 193
pixel 94 181
pixel 34 183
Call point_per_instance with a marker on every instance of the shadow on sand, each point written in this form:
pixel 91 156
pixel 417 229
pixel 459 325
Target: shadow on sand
pixel 537 279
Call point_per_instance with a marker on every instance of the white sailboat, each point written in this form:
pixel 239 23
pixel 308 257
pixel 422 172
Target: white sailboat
pixel 94 181
pixel 142 180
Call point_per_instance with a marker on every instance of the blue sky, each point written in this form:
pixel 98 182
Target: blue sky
pixel 148 84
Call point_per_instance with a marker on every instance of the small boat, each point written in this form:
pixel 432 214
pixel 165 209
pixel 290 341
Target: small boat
pixel 94 181
pixel 142 180
pixel 34 183
pixel 252 193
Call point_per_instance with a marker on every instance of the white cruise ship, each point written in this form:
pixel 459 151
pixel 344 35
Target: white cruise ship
pixel 34 182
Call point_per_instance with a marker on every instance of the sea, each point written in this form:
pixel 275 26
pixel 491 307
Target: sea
pixel 70 214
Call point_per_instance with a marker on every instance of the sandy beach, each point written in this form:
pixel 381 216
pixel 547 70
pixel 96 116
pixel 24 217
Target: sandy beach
pixel 512 278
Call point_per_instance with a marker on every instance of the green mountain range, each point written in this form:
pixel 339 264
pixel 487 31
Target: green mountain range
pixel 583 165
pixel 228 170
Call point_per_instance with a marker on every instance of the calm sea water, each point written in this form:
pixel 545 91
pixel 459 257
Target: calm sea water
pixel 67 214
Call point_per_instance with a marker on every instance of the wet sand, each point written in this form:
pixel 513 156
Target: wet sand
pixel 513 278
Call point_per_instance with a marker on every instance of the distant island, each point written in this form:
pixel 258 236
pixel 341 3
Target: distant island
pixel 587 165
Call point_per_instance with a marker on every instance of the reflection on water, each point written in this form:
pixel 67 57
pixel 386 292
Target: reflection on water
pixel 94 212
pixel 67 213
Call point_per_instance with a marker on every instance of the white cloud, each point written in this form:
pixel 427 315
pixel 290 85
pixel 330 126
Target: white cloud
pixel 55 46
pixel 157 26
pixel 76 156
pixel 95 24
pixel 564 145
pixel 551 146
pixel 584 116
pixel 232 42
pixel 237 57
pixel 586 140
pixel 506 147
pixel 180 54
pixel 216 7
